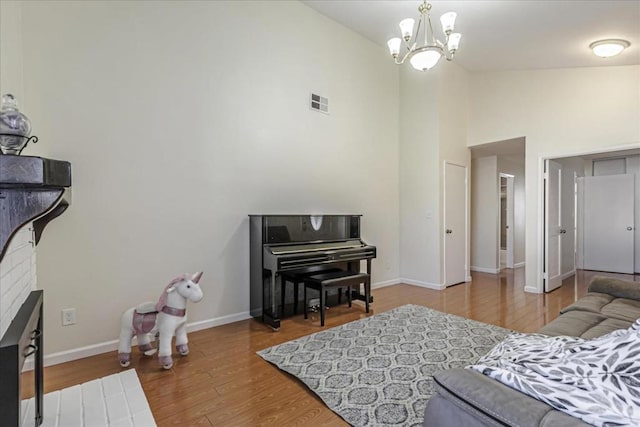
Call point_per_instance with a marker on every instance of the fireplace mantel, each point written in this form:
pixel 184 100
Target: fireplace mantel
pixel 32 189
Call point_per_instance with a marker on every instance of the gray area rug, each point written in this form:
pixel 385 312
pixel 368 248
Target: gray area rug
pixel 378 371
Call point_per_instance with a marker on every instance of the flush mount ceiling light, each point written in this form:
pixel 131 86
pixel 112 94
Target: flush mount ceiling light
pixel 426 55
pixel 609 47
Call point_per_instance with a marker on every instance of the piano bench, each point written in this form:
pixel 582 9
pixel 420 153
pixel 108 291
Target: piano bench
pixel 335 279
pixel 297 278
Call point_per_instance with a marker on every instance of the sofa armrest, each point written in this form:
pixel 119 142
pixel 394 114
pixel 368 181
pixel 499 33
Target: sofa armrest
pixel 491 402
pixel 615 287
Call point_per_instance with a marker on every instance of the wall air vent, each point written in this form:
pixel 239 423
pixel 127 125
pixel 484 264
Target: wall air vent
pixel 319 103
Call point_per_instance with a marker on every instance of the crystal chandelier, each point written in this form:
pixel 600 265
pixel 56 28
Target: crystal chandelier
pixel 426 55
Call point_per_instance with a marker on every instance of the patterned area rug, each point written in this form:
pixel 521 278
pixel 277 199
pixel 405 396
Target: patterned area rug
pixel 378 371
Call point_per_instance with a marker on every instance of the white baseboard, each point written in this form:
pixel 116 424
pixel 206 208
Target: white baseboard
pixel 531 289
pixel 217 321
pixel 107 346
pixel 436 286
pixel 468 278
pixel 485 270
pixel 385 283
pixel 567 274
pixel 518 264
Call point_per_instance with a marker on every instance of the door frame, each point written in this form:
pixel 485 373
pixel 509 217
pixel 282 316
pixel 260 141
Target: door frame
pixel 466 221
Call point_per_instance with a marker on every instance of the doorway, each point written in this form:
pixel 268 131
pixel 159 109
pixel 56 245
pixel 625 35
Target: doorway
pixel 599 197
pixel 497 206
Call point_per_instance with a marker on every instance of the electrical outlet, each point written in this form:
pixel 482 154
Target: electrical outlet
pixel 68 316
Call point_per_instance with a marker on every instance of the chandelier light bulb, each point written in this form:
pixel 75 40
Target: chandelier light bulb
pixel 425 60
pixel 406 28
pixel 448 20
pixel 608 48
pixel 454 41
pixel 394 46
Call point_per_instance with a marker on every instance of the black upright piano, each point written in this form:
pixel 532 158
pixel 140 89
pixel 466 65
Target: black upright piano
pixel 295 244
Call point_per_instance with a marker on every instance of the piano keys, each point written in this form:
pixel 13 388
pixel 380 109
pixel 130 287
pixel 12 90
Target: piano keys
pixel 295 245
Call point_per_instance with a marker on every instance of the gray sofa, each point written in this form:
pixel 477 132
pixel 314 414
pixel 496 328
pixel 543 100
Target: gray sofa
pixel 467 398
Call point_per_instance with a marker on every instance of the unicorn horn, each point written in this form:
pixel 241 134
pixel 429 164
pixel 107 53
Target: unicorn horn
pixel 196 277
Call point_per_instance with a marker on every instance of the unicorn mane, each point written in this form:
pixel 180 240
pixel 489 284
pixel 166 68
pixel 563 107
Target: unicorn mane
pixel 162 302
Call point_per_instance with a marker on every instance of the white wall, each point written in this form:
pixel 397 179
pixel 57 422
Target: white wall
pixel 560 112
pixel 11 80
pixel 484 214
pixel 419 178
pixel 453 106
pixel 433 127
pixel 514 165
pixel 179 119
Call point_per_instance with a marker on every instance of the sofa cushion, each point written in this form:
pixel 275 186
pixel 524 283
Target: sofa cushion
pixel 592 302
pixel 573 323
pixel 605 327
pixel 623 309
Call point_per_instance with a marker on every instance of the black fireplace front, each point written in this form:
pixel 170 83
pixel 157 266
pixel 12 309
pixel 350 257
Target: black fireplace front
pixel 22 339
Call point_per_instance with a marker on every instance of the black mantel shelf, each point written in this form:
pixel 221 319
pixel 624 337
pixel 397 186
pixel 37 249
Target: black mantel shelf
pixel 31 189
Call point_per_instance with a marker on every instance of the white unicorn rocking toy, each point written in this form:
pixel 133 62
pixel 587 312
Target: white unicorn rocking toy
pixel 165 318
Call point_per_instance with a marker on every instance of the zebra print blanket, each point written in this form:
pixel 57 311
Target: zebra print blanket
pixel 596 380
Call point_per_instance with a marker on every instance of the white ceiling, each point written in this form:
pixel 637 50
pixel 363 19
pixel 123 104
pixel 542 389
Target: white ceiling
pixel 507 34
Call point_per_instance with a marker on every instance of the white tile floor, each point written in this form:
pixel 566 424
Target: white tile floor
pixel 114 401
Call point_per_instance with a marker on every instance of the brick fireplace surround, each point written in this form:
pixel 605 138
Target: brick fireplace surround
pixel 17 275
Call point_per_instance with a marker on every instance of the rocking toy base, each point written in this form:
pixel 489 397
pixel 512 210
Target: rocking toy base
pixel 125 359
pixel 183 349
pixel 166 362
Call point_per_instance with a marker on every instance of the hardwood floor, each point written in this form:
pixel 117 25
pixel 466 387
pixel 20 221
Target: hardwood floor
pixel 223 382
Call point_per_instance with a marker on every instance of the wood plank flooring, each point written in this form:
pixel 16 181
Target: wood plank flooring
pixel 223 382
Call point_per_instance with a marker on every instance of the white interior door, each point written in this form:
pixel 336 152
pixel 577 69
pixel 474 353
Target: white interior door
pixel 553 226
pixel 509 225
pixel 506 230
pixel 455 222
pixel 609 223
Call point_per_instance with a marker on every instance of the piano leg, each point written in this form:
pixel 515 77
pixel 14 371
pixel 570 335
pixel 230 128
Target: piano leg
pixel 270 315
pixel 356 293
pixel 323 296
